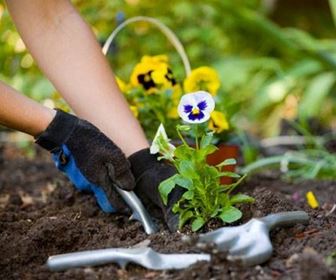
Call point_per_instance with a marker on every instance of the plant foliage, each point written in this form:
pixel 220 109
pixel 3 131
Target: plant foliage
pixel 204 198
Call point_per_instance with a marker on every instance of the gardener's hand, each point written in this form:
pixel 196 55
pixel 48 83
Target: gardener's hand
pixel 149 173
pixel 88 158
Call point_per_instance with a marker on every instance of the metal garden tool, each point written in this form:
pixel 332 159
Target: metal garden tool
pixel 139 212
pixel 249 243
pixel 143 256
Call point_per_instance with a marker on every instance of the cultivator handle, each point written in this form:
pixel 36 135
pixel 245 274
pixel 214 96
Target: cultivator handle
pixel 285 219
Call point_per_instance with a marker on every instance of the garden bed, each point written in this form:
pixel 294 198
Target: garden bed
pixel 41 214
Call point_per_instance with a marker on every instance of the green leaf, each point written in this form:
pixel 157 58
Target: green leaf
pixel 317 91
pixel 211 171
pixel 206 140
pixel 183 182
pixel 214 213
pixel 183 152
pixel 229 161
pixel 208 150
pixel 176 207
pixel 184 217
pixel 187 169
pixel 188 195
pixel 235 184
pixel 202 153
pixel 228 174
pixel 166 187
pixel 241 198
pixel 183 127
pixel 230 214
pixel 197 223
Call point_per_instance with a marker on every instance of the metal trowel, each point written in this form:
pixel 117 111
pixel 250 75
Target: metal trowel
pixel 144 256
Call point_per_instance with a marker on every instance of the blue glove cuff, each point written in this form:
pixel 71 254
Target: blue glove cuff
pixel 70 168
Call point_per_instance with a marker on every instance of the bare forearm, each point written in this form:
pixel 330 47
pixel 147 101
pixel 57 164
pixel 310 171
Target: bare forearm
pixel 21 113
pixel 67 52
pixel 64 48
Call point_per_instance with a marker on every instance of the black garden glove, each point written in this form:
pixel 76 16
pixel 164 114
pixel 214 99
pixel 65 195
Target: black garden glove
pixel 149 173
pixel 88 158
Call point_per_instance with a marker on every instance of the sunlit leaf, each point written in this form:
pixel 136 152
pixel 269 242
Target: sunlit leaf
pixel 166 187
pixel 230 214
pixel 197 223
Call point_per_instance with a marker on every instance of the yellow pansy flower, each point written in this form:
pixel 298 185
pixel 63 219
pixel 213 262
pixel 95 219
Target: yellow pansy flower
pixel 59 102
pixel 218 122
pixel 202 78
pixel 122 85
pixel 156 59
pixel 177 92
pixel 311 199
pixel 134 110
pixel 153 74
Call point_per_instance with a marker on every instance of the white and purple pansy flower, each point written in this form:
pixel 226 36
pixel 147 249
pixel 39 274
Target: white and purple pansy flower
pixel 196 107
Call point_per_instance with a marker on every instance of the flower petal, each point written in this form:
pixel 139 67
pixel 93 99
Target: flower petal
pixel 196 107
pixel 311 199
pixel 188 108
pixel 156 146
pixel 203 78
pixel 194 117
pixel 218 122
pixel 202 105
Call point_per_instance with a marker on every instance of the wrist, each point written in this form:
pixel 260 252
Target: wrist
pixel 46 118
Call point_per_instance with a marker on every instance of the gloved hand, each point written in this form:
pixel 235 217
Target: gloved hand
pixel 149 173
pixel 88 158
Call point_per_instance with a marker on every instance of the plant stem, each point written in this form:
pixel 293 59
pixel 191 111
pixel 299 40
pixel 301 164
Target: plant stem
pixel 196 136
pixel 332 5
pixel 181 137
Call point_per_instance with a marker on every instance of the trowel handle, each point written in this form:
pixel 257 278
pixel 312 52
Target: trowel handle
pixel 285 219
pixel 85 258
pixel 121 256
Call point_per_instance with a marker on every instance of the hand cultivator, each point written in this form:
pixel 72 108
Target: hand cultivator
pixel 248 244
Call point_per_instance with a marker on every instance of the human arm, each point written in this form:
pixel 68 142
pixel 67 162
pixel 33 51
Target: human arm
pixel 21 113
pixel 90 159
pixel 67 52
pixel 69 55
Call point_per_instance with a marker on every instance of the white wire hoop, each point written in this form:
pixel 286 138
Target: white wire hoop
pixel 163 28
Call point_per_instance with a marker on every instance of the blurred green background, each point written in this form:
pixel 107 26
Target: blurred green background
pixel 276 59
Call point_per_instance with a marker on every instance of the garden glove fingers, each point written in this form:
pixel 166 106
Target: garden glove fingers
pixel 91 160
pixel 149 173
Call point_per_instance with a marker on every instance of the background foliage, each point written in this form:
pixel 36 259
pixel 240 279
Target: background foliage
pixel 276 59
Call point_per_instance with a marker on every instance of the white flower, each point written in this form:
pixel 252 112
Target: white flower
pixel 196 107
pixel 161 143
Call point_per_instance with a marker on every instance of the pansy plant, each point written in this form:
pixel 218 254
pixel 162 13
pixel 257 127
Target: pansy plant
pixel 205 198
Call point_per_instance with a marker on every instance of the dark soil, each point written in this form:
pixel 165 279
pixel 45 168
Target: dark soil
pixel 41 214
